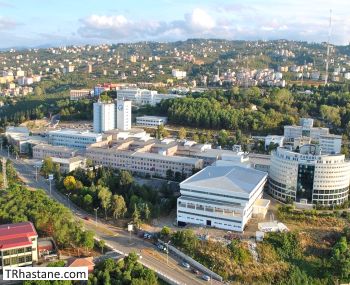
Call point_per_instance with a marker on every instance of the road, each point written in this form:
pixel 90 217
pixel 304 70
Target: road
pixel 116 237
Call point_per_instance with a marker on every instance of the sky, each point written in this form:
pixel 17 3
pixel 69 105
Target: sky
pixel 35 23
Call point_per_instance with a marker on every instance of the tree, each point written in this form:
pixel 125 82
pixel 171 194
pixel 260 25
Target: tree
pixel 182 133
pixel 125 178
pixel 222 138
pixel 87 240
pixel 136 217
pixel 38 91
pixel 170 174
pixel 146 212
pixel 101 244
pixel 104 195
pixel 87 200
pixel 70 183
pixel 118 206
pixel 165 232
pixel 47 167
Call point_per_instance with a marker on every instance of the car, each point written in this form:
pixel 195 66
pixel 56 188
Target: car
pixel 86 218
pixel 195 271
pixel 185 264
pixel 205 277
pixel 160 247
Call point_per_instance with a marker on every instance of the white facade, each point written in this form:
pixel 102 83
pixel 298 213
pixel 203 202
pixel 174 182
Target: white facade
pixel 220 196
pixel 178 74
pixel 330 144
pixel 41 151
pixel 140 97
pixel 320 179
pixel 305 129
pixel 143 163
pixel 151 121
pixel 73 138
pixel 123 109
pixel 104 117
pixel 274 139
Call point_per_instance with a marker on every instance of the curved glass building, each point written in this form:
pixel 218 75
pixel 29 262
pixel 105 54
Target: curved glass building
pixel 309 176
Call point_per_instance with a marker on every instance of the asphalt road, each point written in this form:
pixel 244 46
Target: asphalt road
pixel 116 237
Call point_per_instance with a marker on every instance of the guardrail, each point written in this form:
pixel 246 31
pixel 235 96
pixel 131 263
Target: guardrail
pixel 192 262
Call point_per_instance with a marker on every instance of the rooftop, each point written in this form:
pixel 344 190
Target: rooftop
pixel 15 235
pixel 227 178
pixel 75 133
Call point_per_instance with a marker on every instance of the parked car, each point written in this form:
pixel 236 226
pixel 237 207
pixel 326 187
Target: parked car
pixel 195 271
pixel 185 264
pixel 205 277
pixel 86 218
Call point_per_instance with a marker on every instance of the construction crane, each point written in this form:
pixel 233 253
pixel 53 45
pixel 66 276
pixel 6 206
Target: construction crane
pixel 328 47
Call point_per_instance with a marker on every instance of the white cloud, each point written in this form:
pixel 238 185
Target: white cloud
pixel 254 21
pixel 7 24
pixel 199 20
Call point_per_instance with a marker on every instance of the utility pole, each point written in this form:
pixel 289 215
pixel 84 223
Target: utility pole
pixel 328 47
pixel 4 176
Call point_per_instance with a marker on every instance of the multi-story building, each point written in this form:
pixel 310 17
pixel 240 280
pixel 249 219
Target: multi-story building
pixel 41 151
pixel 79 94
pixel 224 197
pixel 140 97
pixel 308 176
pixel 70 164
pixel 73 138
pixel 123 109
pixel 18 245
pixel 178 74
pixel 144 163
pixel 330 143
pixel 305 129
pixel 151 121
pixel 104 116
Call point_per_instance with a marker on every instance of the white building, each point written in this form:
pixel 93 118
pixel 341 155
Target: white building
pixel 178 74
pixel 123 109
pixel 330 144
pixel 140 97
pixel 273 139
pixel 69 164
pixel 151 121
pixel 41 151
pixel 73 138
pixel 309 176
pixel 222 197
pixel 305 129
pixel 104 116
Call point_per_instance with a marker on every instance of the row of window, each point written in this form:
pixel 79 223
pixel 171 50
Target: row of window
pixel 17 260
pixel 214 194
pixel 17 251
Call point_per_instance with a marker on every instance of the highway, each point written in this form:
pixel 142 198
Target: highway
pixel 116 237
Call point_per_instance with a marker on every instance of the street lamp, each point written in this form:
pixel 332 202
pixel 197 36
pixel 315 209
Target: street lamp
pixel 95 209
pixel 68 195
pixel 50 179
pixel 8 151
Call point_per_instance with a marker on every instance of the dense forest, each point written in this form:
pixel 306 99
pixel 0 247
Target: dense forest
pixel 260 110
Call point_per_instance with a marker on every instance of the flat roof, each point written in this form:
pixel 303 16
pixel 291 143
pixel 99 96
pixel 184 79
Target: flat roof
pixel 75 133
pixel 227 178
pixel 54 147
pixel 152 117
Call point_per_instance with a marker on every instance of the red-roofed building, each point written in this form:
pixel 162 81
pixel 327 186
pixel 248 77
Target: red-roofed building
pixel 18 244
pixel 82 262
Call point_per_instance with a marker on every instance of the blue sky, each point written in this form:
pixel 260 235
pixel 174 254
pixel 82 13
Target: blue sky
pixel 61 22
